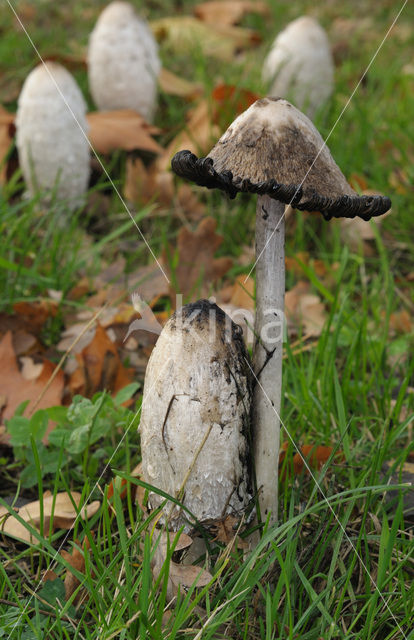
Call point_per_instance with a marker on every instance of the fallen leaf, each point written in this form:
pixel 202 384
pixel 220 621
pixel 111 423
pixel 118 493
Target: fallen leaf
pixel 7 131
pixel 76 559
pixel 176 86
pixel 17 389
pixel 100 367
pixel 305 310
pixel 188 205
pixel 30 370
pixel 121 129
pixel 36 314
pixel 401 322
pixel 179 575
pixel 182 34
pixel 58 513
pixel 228 12
pixel 315 456
pixel 240 293
pixel 199 135
pixel 197 269
pixel 230 101
pixel 146 183
pixel 225 531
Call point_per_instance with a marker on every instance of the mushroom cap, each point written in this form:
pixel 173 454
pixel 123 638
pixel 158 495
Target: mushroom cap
pixel 50 134
pixel 197 378
pixel 300 65
pixel 123 62
pixel 273 148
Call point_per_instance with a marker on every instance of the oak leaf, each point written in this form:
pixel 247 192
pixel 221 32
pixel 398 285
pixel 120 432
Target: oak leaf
pixel 16 388
pixel 197 269
pixel 121 129
pixel 100 367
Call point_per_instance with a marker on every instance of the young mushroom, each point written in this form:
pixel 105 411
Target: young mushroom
pixel 195 416
pixel 300 65
pixel 50 135
pixel 123 62
pixel 273 150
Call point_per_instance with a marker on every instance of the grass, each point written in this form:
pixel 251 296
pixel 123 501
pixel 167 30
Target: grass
pixel 313 575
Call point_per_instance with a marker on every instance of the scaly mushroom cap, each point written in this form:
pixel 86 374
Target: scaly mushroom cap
pixel 300 65
pixel 197 377
pixel 123 63
pixel 273 148
pixel 53 151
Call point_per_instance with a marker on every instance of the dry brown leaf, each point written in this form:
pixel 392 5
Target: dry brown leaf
pixel 305 310
pixel 401 322
pixel 7 131
pixel 76 559
pixel 181 34
pixel 17 389
pixel 121 129
pixel 315 456
pixel 240 294
pixel 35 314
pixel 179 575
pixel 228 12
pixel 199 135
pixel 176 86
pixel 188 204
pixel 226 531
pixel 197 269
pixel 100 367
pixel 58 513
pixel 144 184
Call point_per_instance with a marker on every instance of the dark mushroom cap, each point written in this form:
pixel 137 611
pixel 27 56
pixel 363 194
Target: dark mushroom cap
pixel 272 148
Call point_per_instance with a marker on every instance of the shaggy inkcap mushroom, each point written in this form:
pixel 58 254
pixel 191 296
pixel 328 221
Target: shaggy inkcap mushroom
pixel 300 65
pixel 274 150
pixel 123 63
pixel 195 416
pixel 50 135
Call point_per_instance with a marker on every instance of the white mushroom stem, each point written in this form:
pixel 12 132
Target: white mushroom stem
pixel 267 355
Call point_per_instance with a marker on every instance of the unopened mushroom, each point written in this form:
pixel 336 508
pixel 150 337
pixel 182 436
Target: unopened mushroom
pixel 300 65
pixel 51 138
pixel 275 151
pixel 195 416
pixel 123 62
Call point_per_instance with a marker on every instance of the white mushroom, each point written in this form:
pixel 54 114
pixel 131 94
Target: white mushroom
pixel 123 63
pixel 195 416
pixel 274 150
pixel 300 65
pixel 51 136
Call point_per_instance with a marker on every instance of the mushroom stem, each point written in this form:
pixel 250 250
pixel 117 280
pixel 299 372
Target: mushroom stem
pixel 267 354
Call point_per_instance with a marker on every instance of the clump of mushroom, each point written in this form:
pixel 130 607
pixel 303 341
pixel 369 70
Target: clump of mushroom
pixel 195 416
pixel 123 62
pixel 51 135
pixel 275 151
pixel 300 65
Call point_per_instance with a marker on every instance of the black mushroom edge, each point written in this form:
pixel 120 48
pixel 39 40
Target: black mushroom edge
pixel 201 171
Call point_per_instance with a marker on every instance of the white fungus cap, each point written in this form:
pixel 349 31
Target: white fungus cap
pixel 123 62
pixel 50 135
pixel 300 65
pixel 197 378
